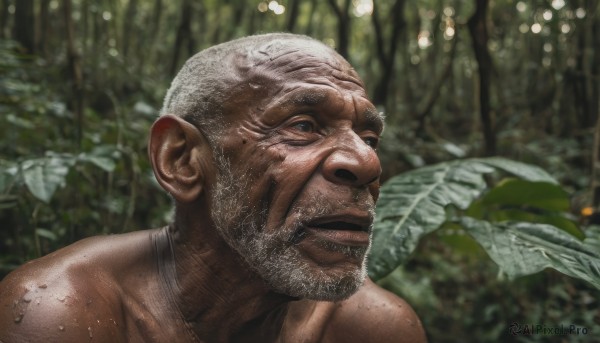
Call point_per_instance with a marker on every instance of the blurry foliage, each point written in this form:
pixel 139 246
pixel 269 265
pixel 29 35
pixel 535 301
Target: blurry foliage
pixel 55 189
pixel 51 193
pixel 459 296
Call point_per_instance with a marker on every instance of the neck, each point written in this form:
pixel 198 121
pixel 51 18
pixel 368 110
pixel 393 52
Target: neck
pixel 215 291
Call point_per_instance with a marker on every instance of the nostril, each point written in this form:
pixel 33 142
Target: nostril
pixel 346 175
pixel 373 180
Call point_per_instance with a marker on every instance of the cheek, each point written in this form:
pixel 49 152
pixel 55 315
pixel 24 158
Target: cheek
pixel 294 173
pixel 283 181
pixel 374 190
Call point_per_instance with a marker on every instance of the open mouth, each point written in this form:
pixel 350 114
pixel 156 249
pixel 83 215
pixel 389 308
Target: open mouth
pixel 340 225
pixel 347 230
pixel 350 229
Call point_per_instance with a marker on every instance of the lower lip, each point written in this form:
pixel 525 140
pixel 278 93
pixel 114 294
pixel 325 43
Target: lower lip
pixel 343 237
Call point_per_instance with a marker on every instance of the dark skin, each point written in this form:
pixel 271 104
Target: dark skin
pixel 293 132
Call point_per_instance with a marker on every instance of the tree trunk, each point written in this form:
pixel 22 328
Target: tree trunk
pixel 238 16
pixel 588 68
pixel 343 15
pixel 293 15
pixel 250 27
pixel 592 32
pixel 24 27
pixel 43 29
pixel 183 33
pixel 479 36
pixel 436 89
pixel 595 184
pixel 128 25
pixel 387 58
pixel 3 17
pixel 156 15
pixel 153 33
pixel 311 18
pixel 75 70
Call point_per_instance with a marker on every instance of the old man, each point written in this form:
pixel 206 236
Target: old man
pixel 267 144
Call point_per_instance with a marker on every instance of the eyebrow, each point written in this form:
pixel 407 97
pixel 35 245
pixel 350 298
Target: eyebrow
pixel 310 98
pixel 373 120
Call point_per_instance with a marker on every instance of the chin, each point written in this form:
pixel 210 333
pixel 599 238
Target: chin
pixel 301 279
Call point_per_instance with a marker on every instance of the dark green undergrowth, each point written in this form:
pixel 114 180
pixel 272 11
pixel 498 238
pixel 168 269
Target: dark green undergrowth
pixel 461 296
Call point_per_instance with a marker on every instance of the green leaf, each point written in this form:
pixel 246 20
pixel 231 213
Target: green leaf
pixel 6 177
pixel 104 163
pixel 521 200
pixel 556 219
pixel 413 204
pixel 522 248
pixel 102 156
pixel 521 170
pixel 541 195
pixel 8 201
pixel 44 175
pixel 19 122
pixel 46 234
pixel 454 236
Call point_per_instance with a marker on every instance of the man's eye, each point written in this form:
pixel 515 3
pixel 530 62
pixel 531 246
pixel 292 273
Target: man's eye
pixel 372 142
pixel 304 126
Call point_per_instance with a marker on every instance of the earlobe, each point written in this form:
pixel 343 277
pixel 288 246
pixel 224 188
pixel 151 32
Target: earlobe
pixel 176 150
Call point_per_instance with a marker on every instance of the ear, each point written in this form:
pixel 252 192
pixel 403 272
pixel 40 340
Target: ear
pixel 178 152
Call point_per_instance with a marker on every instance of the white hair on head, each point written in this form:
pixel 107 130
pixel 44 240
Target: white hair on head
pixel 203 84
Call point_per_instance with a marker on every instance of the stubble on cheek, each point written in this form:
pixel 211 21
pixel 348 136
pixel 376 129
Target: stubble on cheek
pixel 273 252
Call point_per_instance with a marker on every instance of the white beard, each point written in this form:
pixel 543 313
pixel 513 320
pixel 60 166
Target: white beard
pixel 274 255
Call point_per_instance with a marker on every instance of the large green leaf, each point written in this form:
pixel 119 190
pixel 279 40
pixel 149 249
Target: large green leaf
pixel 521 200
pixel 413 204
pixel 522 248
pixel 521 170
pixel 540 195
pixel 44 175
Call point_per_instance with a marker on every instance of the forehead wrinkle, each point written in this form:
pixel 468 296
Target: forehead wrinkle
pixel 276 57
pixel 298 60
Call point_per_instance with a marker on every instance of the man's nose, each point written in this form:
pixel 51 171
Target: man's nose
pixel 352 163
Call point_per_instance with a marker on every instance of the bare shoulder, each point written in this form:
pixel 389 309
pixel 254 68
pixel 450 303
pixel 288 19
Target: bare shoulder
pixel 67 296
pixel 375 315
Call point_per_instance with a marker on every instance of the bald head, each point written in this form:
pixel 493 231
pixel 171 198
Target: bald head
pixel 215 76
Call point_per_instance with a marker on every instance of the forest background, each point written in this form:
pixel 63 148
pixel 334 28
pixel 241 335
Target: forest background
pixel 81 82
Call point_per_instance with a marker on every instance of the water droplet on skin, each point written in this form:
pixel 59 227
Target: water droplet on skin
pixel 61 298
pixel 90 331
pixel 19 318
pixel 61 328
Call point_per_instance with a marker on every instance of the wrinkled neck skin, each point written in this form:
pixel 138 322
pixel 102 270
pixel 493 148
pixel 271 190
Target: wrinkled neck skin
pixel 216 293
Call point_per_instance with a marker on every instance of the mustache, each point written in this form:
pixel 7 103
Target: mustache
pixel 320 205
